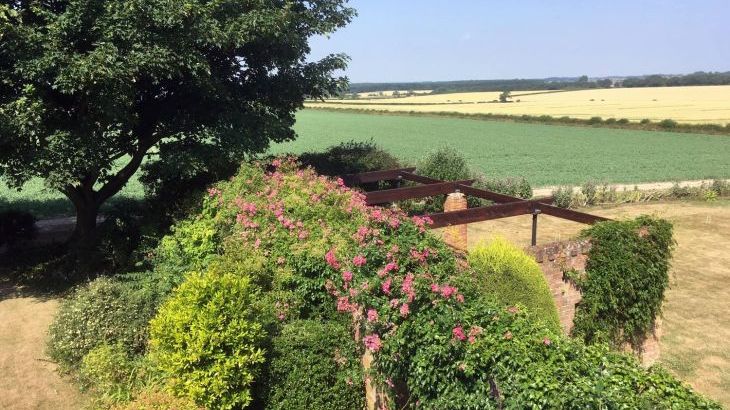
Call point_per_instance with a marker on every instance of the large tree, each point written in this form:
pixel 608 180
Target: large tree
pixel 91 89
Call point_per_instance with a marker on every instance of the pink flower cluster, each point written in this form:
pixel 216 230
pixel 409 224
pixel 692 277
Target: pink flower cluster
pixel 344 305
pixel 458 333
pixel 332 259
pixel 420 256
pixel 386 286
pixel 407 287
pixel 389 267
pixel 372 342
pixel 359 260
pixel 421 222
pixel 213 192
pixel 473 333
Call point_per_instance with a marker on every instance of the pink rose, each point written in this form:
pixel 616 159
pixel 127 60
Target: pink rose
pixel 458 333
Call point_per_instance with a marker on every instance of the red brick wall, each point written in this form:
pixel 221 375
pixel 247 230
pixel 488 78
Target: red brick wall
pixel 558 257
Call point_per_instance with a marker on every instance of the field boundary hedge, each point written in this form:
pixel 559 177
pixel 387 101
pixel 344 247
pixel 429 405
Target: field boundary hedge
pixel 667 125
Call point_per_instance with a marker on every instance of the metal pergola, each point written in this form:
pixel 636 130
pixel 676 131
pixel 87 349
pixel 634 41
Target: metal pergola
pixel 504 205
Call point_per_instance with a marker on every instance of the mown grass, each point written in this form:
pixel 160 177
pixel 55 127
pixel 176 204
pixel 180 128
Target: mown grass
pixel 44 202
pixel 544 154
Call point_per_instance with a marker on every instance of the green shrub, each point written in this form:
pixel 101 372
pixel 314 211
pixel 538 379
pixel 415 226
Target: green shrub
pixel 669 124
pixel 590 191
pixel 506 360
pixel 595 120
pixel 446 164
pixel 350 158
pixel 314 366
pixel 513 278
pixel 645 121
pixel 563 196
pixel 112 375
pixel 106 311
pixel 518 187
pixel 626 276
pixel 207 341
pixel 623 121
pixel 611 121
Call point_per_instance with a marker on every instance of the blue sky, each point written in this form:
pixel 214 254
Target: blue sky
pixel 421 40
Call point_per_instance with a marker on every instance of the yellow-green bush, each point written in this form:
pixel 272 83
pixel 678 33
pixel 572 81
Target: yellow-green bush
pixel 112 375
pixel 157 400
pixel 206 339
pixel 513 278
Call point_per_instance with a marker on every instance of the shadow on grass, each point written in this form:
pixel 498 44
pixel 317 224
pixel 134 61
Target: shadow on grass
pixel 46 267
pixel 40 208
pixel 59 207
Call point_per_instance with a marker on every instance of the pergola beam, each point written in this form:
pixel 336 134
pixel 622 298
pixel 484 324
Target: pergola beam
pixel 482 213
pixel 413 192
pixel 374 176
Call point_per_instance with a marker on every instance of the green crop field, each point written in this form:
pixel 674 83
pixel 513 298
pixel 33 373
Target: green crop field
pixel 544 154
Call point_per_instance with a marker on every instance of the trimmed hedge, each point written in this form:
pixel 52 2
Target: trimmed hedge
pixel 315 366
pixel 106 311
pixel 513 278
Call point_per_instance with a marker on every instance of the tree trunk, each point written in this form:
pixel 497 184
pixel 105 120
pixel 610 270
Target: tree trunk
pixel 87 204
pixel 84 232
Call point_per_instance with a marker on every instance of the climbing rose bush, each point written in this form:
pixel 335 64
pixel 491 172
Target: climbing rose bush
pixel 436 341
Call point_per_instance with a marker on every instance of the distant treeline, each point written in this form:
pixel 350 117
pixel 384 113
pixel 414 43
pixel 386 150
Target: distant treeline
pixel 698 78
pixel 483 85
pixel 557 83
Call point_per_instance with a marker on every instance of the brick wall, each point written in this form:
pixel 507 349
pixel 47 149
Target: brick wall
pixel 558 257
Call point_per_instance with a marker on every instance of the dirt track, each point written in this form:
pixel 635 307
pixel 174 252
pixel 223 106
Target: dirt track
pixel 28 379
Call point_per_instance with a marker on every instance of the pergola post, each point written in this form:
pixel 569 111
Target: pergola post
pixel 535 213
pixel 456 235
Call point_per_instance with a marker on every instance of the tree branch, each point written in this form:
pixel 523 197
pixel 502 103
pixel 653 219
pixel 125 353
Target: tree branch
pixel 118 180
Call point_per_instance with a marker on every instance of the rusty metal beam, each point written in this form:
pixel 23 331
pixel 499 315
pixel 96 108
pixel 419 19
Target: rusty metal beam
pixel 414 192
pixel 571 215
pixel 374 176
pixel 482 213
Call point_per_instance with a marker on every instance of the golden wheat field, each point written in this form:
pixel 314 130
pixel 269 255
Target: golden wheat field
pixel 699 104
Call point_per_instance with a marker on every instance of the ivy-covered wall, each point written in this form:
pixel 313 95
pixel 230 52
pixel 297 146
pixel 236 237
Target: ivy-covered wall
pixel 626 272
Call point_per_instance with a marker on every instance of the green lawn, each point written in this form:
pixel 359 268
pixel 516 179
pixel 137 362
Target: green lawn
pixel 544 154
pixel 44 203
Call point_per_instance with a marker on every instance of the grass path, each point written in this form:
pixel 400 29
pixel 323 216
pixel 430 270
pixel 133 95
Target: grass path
pixel 28 380
pixel 695 344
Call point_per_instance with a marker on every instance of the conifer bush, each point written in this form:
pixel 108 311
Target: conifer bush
pixel 513 278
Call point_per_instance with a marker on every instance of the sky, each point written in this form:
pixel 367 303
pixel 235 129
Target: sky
pixel 430 40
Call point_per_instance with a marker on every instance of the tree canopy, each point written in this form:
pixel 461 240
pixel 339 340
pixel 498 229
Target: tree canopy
pixel 90 90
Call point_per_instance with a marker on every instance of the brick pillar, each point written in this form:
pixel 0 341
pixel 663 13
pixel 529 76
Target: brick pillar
pixel 455 235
